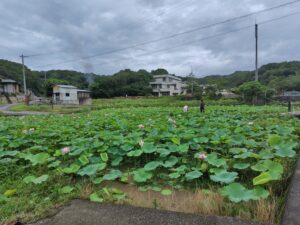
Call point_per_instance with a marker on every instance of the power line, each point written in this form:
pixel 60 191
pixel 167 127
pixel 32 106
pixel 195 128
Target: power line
pixel 175 35
pixel 216 35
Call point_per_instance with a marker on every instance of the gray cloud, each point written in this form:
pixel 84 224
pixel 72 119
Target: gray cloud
pixel 74 29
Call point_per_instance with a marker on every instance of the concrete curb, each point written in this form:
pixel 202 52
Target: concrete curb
pixel 292 208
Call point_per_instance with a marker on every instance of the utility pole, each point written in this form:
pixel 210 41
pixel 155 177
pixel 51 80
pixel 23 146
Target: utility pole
pixel 24 75
pixel 45 76
pixel 256 52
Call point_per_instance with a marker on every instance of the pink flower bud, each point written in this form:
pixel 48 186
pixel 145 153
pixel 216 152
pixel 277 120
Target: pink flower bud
pixel 65 150
pixel 202 156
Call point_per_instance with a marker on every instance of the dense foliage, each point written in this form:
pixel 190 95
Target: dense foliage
pixel 245 153
pixel 125 82
pixel 280 76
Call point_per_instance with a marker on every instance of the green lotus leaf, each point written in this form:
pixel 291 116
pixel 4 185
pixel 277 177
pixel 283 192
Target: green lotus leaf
pixel 274 140
pixel 8 153
pixel 104 156
pixel 236 192
pixel 170 162
pixel 263 178
pixel 117 161
pixel 175 140
pixel 66 189
pixel 73 168
pixel 193 175
pixel 39 158
pixel 183 148
pixel 148 148
pixel 112 175
pixel 141 175
pixel 224 177
pixel 274 168
pixel 174 175
pixel 241 166
pixel 259 193
pixel 212 159
pixel 36 180
pixel 94 197
pixel 286 150
pixel 152 165
pixel 166 192
pixel 135 153
pixel 91 169
pixel 201 140
pixel 83 159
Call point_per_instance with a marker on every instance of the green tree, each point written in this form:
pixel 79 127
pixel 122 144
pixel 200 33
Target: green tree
pixel 253 91
pixel 159 71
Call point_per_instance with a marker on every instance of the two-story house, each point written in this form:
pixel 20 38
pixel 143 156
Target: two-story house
pixel 167 85
pixel 70 95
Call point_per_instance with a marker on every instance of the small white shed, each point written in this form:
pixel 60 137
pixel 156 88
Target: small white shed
pixel 70 95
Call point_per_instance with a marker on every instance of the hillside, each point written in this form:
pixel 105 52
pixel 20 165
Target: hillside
pixel 35 79
pixel 280 76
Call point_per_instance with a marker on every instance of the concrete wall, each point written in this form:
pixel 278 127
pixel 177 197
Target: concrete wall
pixel 62 95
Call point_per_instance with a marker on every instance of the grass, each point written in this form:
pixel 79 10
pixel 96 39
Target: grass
pixel 47 108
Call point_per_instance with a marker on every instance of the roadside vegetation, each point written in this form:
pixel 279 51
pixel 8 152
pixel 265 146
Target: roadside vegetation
pixel 230 160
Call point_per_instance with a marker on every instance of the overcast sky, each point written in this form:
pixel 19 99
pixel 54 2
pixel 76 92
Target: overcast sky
pixel 74 30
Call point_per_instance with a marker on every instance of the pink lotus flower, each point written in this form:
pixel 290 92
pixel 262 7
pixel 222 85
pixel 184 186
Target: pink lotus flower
pixel 202 156
pixel 65 150
pixel 141 126
pixel 141 143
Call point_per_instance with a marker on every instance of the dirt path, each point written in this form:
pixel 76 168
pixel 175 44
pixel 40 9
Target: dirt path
pixel 5 109
pixel 80 212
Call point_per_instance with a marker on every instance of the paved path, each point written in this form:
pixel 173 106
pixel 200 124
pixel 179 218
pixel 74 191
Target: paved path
pixel 292 207
pixel 5 110
pixel 81 212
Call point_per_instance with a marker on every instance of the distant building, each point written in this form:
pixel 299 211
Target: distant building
pixel 167 85
pixel 8 86
pixel 288 95
pixel 227 94
pixel 70 95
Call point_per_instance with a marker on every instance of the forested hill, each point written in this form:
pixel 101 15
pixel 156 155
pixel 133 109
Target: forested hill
pixel 35 79
pixel 281 76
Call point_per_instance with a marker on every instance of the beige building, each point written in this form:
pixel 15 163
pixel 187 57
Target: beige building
pixel 167 85
pixel 70 95
pixel 8 86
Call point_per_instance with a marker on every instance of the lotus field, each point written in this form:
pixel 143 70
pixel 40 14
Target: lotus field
pixel 242 153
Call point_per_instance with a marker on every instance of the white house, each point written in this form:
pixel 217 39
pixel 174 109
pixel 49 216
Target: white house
pixel 167 85
pixel 70 95
pixel 9 86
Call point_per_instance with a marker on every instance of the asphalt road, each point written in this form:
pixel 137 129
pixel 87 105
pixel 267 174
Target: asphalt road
pixel 80 212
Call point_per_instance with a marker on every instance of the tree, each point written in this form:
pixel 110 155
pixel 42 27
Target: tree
pixel 159 71
pixel 253 91
pixel 48 86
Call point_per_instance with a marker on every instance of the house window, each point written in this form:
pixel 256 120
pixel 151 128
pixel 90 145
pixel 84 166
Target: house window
pixel 57 94
pixel 164 79
pixel 159 85
pixel 168 86
pixel 67 94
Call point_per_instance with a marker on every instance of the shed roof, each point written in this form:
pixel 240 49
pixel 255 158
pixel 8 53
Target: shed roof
pixel 65 86
pixel 80 90
pixel 7 81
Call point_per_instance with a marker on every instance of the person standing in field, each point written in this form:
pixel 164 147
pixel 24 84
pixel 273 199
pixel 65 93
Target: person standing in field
pixel 185 108
pixel 202 105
